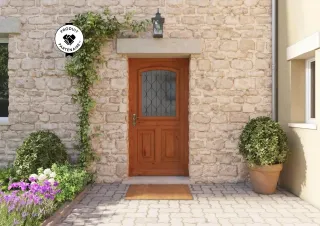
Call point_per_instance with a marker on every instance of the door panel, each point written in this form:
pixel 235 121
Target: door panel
pixel 146 151
pixel 170 145
pixel 158 116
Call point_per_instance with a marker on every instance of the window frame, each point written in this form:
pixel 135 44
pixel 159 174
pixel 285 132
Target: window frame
pixel 308 92
pixel 4 120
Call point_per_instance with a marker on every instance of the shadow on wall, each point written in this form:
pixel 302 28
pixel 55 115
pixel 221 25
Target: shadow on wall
pixel 293 175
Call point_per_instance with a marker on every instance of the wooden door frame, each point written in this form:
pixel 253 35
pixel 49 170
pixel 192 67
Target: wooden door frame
pixel 184 113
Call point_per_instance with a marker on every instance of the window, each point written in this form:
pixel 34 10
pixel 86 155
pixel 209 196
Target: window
pixel 4 94
pixel 310 90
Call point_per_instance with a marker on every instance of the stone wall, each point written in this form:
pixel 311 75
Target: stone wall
pixel 230 82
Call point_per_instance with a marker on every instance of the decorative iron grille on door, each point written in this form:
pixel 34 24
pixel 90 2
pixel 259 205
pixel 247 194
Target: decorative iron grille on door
pixel 159 93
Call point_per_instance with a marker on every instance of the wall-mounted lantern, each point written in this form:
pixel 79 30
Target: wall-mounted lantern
pixel 158 22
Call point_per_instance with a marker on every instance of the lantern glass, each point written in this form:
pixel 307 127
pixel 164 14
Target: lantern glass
pixel 158 25
pixel 157 28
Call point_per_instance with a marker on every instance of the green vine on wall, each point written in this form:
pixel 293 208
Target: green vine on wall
pixel 97 29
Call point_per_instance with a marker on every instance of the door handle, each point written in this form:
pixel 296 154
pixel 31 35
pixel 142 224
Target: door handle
pixel 134 119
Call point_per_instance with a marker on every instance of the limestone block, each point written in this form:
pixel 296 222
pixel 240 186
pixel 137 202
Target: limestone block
pixel 216 20
pixel 21 3
pixel 241 64
pixel 204 65
pixel 232 20
pixel 52 108
pixel 248 107
pixel 231 108
pixel 231 3
pixel 262 64
pixel 210 170
pixel 192 20
pixel 246 45
pixel 244 19
pixel 116 117
pixel 55 83
pixel 119 83
pixel 76 3
pixel 251 2
pixel 228 170
pixel 121 169
pixel 22 127
pixel 28 64
pixel 35 34
pixel 221 64
pixel 41 20
pixel 224 83
pixel 29 117
pixel 198 3
pixel 238 117
pixel 181 34
pixel 145 3
pixel 59 118
pixel 49 2
pixel 126 2
pixel 196 170
pixel 229 46
pixel 201 118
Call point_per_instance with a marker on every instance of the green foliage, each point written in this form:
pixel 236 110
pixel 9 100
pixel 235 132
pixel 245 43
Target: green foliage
pixel 72 180
pixel 7 176
pixel 263 142
pixel 4 70
pixel 96 29
pixel 40 149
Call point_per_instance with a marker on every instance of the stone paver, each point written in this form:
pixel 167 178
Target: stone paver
pixel 216 204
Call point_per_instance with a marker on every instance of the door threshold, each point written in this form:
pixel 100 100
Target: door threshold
pixel 157 180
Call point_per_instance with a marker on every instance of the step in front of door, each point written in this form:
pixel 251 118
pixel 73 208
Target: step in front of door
pixel 156 180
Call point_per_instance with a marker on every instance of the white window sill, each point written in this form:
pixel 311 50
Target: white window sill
pixel 4 121
pixel 303 125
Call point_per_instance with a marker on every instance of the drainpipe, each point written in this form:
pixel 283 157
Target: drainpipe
pixel 274 61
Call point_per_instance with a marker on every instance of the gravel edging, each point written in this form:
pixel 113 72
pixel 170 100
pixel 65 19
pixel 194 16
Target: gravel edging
pixel 65 209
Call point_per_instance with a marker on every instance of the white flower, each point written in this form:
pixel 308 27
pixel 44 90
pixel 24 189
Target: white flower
pixel 42 177
pixel 51 181
pixel 35 176
pixel 47 171
pixel 52 175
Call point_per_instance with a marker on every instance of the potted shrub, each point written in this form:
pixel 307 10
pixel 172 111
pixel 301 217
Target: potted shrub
pixel 263 144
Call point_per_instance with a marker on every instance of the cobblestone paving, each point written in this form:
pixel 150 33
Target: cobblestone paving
pixel 217 204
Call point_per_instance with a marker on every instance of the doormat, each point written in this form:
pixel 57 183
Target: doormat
pixel 159 192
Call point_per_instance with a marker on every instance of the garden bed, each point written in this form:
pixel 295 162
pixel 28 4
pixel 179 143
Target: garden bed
pixel 42 184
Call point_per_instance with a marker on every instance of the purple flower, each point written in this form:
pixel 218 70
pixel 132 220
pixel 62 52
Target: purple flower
pixel 22 185
pixel 32 179
pixel 11 208
pixel 24 214
pixel 28 197
pixel 15 222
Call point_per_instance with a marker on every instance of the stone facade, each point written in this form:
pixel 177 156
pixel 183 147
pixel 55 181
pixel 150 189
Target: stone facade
pixel 230 82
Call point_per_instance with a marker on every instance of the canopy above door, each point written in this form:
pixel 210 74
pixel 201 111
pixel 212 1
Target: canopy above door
pixel 160 48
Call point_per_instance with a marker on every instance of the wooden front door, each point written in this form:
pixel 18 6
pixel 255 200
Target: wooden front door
pixel 158 117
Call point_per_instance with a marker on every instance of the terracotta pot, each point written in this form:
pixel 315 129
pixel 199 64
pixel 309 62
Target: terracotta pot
pixel 264 179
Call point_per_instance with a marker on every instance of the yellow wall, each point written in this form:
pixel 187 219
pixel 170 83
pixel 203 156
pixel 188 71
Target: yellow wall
pixel 301 174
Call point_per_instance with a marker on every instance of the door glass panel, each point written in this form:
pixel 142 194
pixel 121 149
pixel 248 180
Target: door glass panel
pixel 158 93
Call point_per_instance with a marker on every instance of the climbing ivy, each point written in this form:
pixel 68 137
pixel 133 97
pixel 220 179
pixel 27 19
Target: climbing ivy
pixel 97 29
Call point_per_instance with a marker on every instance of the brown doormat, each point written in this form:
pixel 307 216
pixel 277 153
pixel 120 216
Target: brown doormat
pixel 159 192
